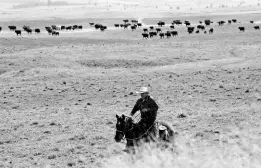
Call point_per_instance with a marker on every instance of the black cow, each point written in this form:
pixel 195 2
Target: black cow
pixel 229 21
pixel 133 28
pixel 220 23
pixel 187 24
pixel 55 33
pixel 177 22
pixel 37 31
pixel 174 33
pixel 151 34
pixel 91 24
pixel 145 35
pixel 197 31
pixel 80 27
pixel 18 32
pixel 205 32
pixel 12 28
pixel 145 30
pixel 211 31
pixel 98 26
pixel 126 20
pixel 234 20
pixel 190 29
pixel 256 27
pixel 162 35
pixel 158 30
pixel 151 27
pixel 200 22
pixel 202 27
pixel 63 27
pixel 161 23
pixel 29 31
pixel 139 24
pixel 241 29
pixel 116 25
pixel 207 22
pixel 0 29
pixel 168 34
pixel 172 27
pixel 251 21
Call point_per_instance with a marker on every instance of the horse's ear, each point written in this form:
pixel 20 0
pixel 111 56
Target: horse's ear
pixel 123 116
pixel 117 116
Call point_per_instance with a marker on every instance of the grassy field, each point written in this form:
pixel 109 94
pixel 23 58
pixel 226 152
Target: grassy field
pixel 60 94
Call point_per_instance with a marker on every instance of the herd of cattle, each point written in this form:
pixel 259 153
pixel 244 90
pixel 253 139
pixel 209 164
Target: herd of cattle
pixel 149 32
pixel 154 31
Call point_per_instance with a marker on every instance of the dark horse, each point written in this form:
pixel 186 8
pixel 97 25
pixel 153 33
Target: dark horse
pixel 135 135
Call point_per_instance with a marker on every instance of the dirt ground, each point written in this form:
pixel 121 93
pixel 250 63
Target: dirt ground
pixel 60 95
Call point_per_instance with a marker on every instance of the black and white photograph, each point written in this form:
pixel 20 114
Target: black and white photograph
pixel 130 84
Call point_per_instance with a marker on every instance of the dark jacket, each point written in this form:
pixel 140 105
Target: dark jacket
pixel 151 109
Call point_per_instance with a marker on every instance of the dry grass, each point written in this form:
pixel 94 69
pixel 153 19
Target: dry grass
pixel 235 150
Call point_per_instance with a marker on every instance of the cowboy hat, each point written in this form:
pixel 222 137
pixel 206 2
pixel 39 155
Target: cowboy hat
pixel 142 90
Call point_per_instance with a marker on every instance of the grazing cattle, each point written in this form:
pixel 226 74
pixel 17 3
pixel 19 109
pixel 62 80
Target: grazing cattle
pixel 200 22
pixel 251 21
pixel 205 32
pixel 190 29
pixel 75 27
pixel 55 33
pixel 161 23
pixel 98 26
pixel 145 35
pixel 256 27
pixel 177 22
pixel 242 29
pixel 18 32
pixel 151 34
pixel 174 33
pixel 91 24
pixel 126 26
pixel 80 27
pixel 37 31
pixel 116 25
pixel 126 20
pixel 0 29
pixel 234 20
pixel 207 22
pixel 220 23
pixel 63 27
pixel 151 27
pixel 121 25
pixel 172 27
pixel 162 35
pixel 202 27
pixel 187 24
pixel 139 24
pixel 49 31
pixel 211 31
pixel 12 28
pixel 145 30
pixel 69 28
pixel 158 30
pixel 133 28
pixel 229 21
pixel 197 31
pixel 134 21
pixel 29 31
pixel 168 34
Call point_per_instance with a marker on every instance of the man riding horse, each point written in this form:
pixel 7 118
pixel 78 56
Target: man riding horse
pixel 148 109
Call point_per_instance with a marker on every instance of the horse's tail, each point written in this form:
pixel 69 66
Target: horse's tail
pixel 170 129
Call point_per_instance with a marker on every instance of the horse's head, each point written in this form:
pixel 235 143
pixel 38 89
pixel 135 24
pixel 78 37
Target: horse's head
pixel 123 123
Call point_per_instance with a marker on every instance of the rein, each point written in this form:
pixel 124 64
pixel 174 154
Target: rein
pixel 137 137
